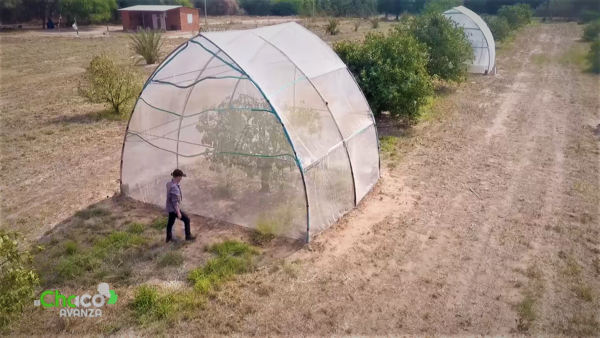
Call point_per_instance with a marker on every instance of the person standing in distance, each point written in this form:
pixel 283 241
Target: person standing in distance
pixel 174 198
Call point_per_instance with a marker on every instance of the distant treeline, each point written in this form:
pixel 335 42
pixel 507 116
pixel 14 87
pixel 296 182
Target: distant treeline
pixel 106 10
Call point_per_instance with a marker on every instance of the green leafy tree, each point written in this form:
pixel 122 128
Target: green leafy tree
pixel 518 16
pixel 450 51
pixel 499 27
pixel 440 6
pixel 591 31
pixel 242 137
pixel 111 84
pixel 593 56
pixel 18 280
pixel 93 10
pixel 391 70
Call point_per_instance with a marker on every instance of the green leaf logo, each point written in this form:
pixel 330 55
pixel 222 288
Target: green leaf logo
pixel 113 297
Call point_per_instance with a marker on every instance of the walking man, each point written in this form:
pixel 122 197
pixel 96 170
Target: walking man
pixel 174 198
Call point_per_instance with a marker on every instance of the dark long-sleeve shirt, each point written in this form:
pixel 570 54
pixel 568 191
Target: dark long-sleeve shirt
pixel 174 196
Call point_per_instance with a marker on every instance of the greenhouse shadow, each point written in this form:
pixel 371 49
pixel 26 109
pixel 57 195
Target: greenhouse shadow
pixel 142 227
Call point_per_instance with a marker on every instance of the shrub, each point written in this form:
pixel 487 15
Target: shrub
pixel 440 6
pixel 136 228
pixel 284 8
pixel 18 280
pixel 391 70
pixel 518 15
pixel 593 56
pixel 256 7
pixel 331 27
pixel 589 16
pixel 591 31
pixel 111 84
pixel 499 27
pixel 147 43
pixel 70 248
pixel 450 51
pixel 374 23
pixel 218 7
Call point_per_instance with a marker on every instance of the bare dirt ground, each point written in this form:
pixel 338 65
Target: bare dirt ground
pixel 486 221
pixel 425 254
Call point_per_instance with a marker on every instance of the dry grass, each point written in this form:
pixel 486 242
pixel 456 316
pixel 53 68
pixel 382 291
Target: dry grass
pixel 57 149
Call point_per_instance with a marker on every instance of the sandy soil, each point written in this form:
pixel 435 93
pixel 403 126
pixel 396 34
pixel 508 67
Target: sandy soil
pixel 487 221
pixel 426 254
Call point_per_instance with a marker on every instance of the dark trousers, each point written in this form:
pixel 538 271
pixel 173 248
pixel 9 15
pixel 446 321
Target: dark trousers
pixel 186 222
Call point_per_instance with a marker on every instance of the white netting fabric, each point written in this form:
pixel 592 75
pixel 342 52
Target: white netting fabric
pixel 268 124
pixel 480 36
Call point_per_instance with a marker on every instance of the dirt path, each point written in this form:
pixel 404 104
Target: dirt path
pixel 427 254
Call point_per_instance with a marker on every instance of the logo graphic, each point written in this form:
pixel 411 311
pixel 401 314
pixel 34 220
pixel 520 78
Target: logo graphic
pixel 72 303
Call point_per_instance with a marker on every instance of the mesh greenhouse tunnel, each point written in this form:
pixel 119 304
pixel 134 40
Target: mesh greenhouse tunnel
pixel 268 124
pixel 479 35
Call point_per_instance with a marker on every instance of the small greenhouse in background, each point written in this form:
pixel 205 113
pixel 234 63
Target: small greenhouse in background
pixel 268 124
pixel 479 35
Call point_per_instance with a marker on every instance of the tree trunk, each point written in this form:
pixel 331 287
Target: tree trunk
pixel 547 10
pixel 46 14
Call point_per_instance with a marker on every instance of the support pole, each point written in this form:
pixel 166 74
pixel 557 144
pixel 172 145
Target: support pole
pixel 205 15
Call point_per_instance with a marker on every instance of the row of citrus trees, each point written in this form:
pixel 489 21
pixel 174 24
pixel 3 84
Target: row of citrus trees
pixel 591 32
pixel 397 71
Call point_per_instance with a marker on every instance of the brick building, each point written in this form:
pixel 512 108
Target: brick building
pixel 169 18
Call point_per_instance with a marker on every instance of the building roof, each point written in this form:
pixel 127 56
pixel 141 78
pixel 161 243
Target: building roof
pixel 149 8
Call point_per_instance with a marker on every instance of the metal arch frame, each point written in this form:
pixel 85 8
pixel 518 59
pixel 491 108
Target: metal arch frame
pixel 330 113
pixel 298 164
pixel 169 57
pixel 487 68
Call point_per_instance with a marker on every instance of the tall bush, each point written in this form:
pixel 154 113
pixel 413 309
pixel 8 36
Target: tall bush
pixel 18 280
pixel 108 83
pixel 218 7
pixel 589 15
pixel 450 51
pixel 285 7
pixel 391 70
pixel 147 43
pixel 499 27
pixel 440 6
pixel 256 7
pixel 518 16
pixel 591 31
pixel 593 56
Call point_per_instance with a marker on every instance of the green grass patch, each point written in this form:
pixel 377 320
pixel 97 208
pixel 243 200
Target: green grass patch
pixel 526 309
pixel 576 56
pixel 388 144
pixel 159 223
pixel 172 258
pixel 428 112
pixel 136 228
pixel 149 305
pixel 107 252
pixel 70 248
pixel 232 258
pixel 584 292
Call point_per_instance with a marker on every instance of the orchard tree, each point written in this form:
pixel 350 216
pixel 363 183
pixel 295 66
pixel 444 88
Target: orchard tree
pixel 251 140
pixel 450 51
pixel 18 280
pixel 92 10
